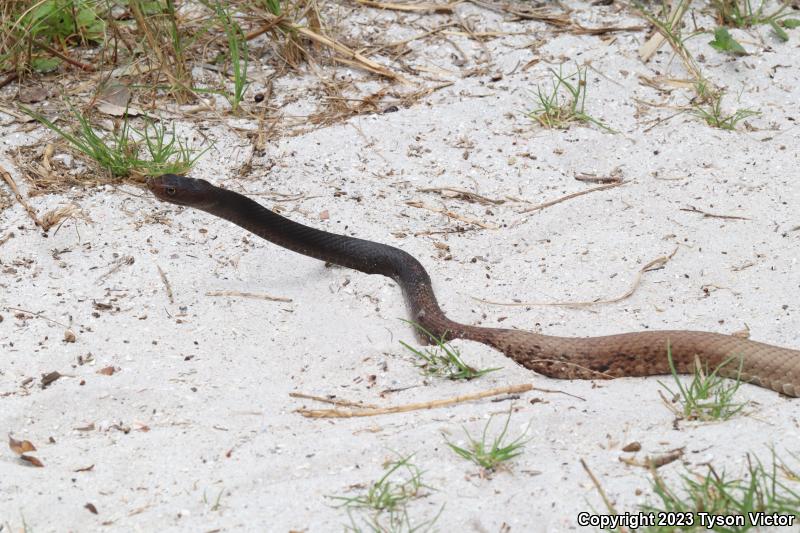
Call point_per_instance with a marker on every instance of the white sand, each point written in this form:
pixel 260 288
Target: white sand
pixel 210 377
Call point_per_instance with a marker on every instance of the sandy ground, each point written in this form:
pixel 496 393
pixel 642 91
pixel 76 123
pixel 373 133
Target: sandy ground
pixel 196 431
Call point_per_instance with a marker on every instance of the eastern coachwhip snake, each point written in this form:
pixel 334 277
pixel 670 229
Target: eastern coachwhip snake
pixel 627 354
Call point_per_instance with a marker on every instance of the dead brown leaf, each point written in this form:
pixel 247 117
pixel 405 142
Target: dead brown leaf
pixel 114 100
pixel 107 371
pixel 32 460
pixel 634 446
pixel 20 446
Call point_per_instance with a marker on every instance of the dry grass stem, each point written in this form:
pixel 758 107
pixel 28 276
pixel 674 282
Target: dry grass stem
pixel 253 295
pixel 166 283
pixel 411 7
pixel 333 401
pixel 692 209
pixel 348 56
pixel 655 264
pixel 451 214
pixel 60 214
pixel 571 196
pixel 435 404
pixel 24 203
pixel 649 48
pixel 462 193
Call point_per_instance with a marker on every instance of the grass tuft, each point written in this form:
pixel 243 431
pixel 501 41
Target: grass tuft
pixel 747 13
pixel 556 109
pixel 488 453
pixel 708 396
pixel 762 489
pixel 443 359
pixel 120 152
pixel 708 106
pixel 385 500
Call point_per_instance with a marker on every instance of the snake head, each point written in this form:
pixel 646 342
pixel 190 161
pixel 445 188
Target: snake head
pixel 181 190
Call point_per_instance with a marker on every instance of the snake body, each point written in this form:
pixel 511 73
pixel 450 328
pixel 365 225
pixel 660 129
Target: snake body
pixel 627 354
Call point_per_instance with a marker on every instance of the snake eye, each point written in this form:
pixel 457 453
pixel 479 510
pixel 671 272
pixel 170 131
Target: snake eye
pixel 170 191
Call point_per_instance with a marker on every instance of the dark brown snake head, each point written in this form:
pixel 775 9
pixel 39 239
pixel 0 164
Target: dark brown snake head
pixel 181 190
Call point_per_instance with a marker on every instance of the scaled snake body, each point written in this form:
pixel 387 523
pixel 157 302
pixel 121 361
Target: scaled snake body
pixel 627 354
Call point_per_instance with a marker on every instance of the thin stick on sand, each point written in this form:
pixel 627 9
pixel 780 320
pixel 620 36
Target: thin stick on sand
pixel 342 413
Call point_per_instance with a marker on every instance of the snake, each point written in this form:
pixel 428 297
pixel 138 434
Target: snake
pixel 641 353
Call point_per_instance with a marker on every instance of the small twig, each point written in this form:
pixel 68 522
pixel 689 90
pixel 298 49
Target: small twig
pixel 451 214
pixel 692 209
pixel 124 260
pixel 167 286
pixel 648 49
pixel 577 29
pixel 602 492
pixel 38 315
pixel 555 391
pixel 655 264
pixel 65 57
pixel 342 403
pixel 249 295
pixel 571 196
pixel 13 185
pixel 465 193
pixel 448 231
pixel 415 7
pixel 351 56
pixel 591 178
pixel 540 14
pixel 6 237
pixel 337 413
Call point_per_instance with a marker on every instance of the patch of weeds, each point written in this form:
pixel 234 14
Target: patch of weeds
pixel 158 26
pixel 724 42
pixel 385 500
pixel 62 20
pixel 443 359
pixel 387 494
pixel 761 490
pixel 119 152
pixel 168 153
pixel 237 47
pixel 747 13
pixel 714 116
pixel 708 106
pixel 29 33
pixel 708 396
pixel 557 110
pixel 490 454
